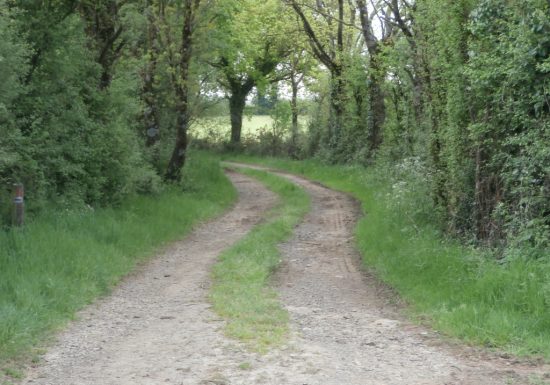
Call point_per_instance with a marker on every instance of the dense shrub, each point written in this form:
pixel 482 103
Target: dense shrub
pixel 69 141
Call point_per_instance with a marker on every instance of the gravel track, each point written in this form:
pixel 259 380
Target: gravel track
pixel 157 326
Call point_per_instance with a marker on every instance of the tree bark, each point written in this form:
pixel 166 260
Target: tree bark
pixel 177 161
pixel 237 102
pixel 336 107
pixel 332 59
pixel 376 94
pixel 150 113
pixel 240 85
pixel 378 110
pixel 294 83
pixel 294 108
pixel 103 26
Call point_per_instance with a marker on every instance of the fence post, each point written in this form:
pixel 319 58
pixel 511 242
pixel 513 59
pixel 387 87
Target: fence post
pixel 18 204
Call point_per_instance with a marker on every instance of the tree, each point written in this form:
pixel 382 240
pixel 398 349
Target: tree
pixel 104 26
pixel 14 53
pixel 75 142
pixel 327 46
pixel 152 53
pixel 182 87
pixel 376 74
pixel 298 65
pixel 250 43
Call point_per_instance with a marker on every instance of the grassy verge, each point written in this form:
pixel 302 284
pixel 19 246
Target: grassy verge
pixel 461 291
pixel 240 292
pixel 61 261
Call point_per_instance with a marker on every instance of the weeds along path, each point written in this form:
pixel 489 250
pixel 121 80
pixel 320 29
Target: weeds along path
pixel 158 328
pixel 346 327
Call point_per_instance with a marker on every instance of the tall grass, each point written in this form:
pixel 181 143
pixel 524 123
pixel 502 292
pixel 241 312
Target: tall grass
pixel 240 290
pixel 62 260
pixel 462 291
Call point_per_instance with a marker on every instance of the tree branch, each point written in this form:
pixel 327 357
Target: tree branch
pixel 318 49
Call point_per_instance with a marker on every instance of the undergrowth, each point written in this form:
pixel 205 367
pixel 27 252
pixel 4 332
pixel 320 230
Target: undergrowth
pixel 462 291
pixel 63 260
pixel 240 291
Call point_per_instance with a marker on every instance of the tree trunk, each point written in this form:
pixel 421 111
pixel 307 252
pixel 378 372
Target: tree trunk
pixel 294 109
pixel 150 113
pixel 376 77
pixel 104 27
pixel 378 110
pixel 177 161
pixel 331 59
pixel 237 101
pixel 336 107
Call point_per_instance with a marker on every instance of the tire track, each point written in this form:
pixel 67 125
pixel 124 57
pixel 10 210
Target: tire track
pixel 157 327
pixel 347 329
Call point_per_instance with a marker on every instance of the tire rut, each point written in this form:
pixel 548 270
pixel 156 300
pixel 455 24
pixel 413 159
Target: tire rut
pixel 157 327
pixel 347 329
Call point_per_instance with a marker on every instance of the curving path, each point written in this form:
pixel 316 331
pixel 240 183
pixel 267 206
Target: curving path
pixel 157 327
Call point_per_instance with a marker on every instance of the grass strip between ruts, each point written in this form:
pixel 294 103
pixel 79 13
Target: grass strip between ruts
pixel 241 292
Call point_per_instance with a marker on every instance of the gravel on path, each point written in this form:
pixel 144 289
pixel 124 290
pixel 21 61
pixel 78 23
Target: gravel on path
pixel 157 326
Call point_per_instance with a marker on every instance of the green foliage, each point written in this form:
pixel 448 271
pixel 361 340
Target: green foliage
pixel 66 139
pixel 469 97
pixel 266 100
pixel 509 87
pixel 62 260
pixel 13 55
pixel 241 290
pixel 245 32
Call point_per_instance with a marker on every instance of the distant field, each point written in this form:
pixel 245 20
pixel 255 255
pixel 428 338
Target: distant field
pixel 219 128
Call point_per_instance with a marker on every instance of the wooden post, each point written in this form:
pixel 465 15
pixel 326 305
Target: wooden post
pixel 18 204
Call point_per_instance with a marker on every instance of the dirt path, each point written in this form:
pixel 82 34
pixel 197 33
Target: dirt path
pixel 157 327
pixel 346 328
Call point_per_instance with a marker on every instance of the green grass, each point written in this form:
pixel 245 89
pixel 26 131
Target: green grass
pixel 241 292
pixel 460 291
pixel 62 261
pixel 218 129
pixel 13 373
